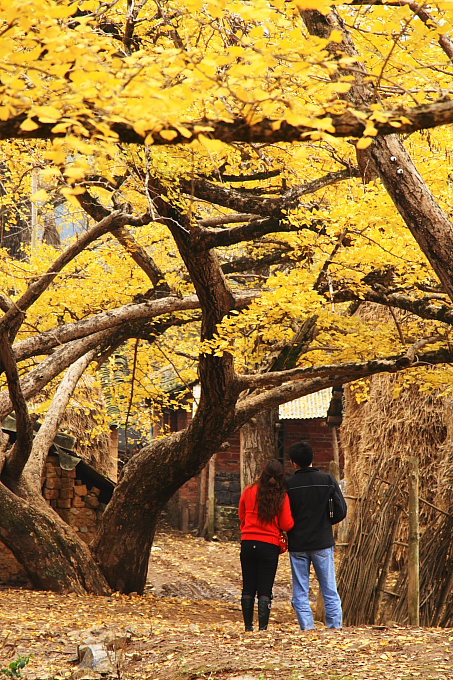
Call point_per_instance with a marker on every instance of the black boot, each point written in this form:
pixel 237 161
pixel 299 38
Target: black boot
pixel 264 610
pixel 247 604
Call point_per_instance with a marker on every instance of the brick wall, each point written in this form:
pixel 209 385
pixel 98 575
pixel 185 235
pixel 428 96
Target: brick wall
pixel 77 503
pixel 316 432
pixel 11 572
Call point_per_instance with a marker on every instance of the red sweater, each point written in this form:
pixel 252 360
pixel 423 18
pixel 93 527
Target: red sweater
pixel 254 530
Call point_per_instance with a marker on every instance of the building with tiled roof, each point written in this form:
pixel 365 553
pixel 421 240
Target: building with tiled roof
pixel 311 406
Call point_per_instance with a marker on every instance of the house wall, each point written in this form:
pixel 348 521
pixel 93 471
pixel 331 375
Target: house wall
pixel 72 499
pixel 317 432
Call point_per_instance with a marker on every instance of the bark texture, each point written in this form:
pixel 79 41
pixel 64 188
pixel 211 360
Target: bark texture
pixel 259 439
pixel 53 557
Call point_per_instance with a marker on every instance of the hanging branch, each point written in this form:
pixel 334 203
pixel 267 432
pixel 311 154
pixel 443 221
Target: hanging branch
pixel 23 444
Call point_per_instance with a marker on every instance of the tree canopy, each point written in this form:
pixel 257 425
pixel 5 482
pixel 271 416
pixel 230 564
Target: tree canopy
pixel 256 194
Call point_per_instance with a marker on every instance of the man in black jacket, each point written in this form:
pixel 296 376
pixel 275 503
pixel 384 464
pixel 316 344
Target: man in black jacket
pixel 311 540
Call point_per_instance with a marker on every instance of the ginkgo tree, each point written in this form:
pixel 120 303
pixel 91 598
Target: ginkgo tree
pixel 240 178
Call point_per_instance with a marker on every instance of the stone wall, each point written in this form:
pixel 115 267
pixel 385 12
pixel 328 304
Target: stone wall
pixel 227 522
pixel 227 488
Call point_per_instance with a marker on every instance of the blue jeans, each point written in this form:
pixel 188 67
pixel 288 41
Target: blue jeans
pixel 324 565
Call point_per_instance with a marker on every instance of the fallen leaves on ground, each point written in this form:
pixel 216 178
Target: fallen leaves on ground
pixel 174 636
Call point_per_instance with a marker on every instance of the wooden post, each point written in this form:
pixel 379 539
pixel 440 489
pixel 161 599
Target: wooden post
pixel 211 499
pixel 202 500
pixel 413 568
pixel 113 448
pixel 336 454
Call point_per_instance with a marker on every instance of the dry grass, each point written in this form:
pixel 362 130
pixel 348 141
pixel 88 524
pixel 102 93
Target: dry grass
pixel 378 438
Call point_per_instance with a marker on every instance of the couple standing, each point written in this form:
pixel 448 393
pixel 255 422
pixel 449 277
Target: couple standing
pixel 301 507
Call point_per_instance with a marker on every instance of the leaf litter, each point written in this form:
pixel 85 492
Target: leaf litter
pixel 188 626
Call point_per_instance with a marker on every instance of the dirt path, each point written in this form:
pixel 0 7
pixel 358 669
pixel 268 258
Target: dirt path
pixel 188 626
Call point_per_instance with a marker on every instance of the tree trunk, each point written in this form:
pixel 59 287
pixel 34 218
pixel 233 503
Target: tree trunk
pixel 149 480
pixel 258 444
pixel 52 555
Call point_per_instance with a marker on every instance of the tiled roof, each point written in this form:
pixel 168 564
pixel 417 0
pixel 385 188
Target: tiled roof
pixel 311 406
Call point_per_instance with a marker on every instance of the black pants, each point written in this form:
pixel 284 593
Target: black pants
pixel 259 561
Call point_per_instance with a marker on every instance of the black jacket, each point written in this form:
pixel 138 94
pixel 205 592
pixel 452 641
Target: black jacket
pixel 309 491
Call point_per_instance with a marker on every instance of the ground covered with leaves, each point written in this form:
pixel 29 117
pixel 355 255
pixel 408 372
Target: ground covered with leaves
pixel 188 626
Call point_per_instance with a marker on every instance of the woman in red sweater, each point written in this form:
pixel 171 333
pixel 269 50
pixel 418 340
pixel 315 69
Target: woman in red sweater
pixel 264 512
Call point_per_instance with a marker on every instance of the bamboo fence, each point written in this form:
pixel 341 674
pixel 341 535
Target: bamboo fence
pixel 378 437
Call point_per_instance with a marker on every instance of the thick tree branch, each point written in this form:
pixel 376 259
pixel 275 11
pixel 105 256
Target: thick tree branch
pixel 262 205
pixel 254 264
pixel 97 211
pixel 23 444
pixel 428 222
pixel 215 238
pixel 133 10
pixel 5 303
pixel 226 219
pixel 421 307
pixel 42 442
pixel 308 380
pixel 141 257
pixel 113 319
pixel 49 368
pixel 255 177
pixel 266 131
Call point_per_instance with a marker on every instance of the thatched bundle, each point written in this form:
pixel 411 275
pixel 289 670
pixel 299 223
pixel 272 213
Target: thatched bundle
pixel 378 438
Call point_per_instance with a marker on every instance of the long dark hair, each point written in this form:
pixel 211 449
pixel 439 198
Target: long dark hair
pixel 271 491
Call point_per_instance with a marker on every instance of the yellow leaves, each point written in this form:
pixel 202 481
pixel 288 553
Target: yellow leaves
pixel 336 36
pixel 168 134
pixel 75 173
pixel 299 119
pixel 56 154
pixel 213 145
pixel 219 61
pixel 185 132
pixel 62 11
pixel 142 127
pixel 322 6
pixel 29 125
pixel 70 194
pixel 46 114
pixel 364 143
pixel 89 5
pixel 369 132
pixel 40 196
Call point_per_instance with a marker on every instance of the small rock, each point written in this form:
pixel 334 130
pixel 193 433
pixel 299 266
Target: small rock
pixel 95 657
